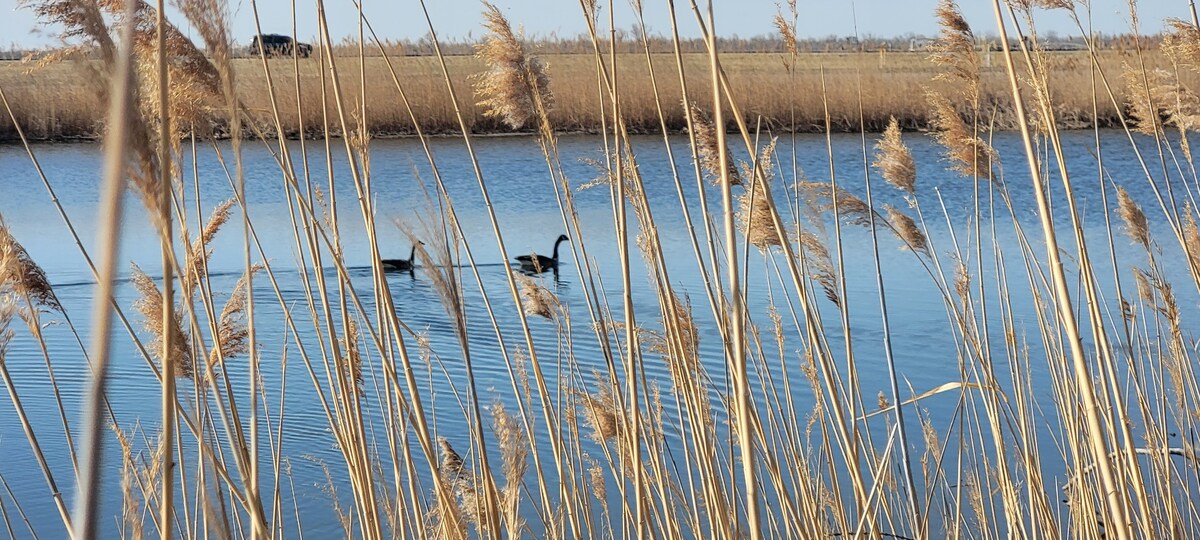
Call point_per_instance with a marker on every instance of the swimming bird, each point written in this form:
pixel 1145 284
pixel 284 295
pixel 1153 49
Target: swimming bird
pixel 403 265
pixel 541 263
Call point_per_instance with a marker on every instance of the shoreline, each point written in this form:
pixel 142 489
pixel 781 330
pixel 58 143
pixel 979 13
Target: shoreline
pixel 56 103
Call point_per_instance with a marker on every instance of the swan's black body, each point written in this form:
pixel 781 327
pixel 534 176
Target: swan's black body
pixel 541 263
pixel 402 265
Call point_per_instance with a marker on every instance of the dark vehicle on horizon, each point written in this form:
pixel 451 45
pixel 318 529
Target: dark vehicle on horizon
pixel 279 45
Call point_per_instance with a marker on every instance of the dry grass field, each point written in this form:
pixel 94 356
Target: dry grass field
pixel 55 102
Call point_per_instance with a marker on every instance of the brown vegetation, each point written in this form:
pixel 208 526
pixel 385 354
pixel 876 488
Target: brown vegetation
pixel 54 102
pixel 1057 413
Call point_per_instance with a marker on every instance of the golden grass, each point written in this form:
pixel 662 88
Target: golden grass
pixel 893 84
pixel 791 443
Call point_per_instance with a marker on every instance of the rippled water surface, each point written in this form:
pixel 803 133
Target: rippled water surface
pixel 529 217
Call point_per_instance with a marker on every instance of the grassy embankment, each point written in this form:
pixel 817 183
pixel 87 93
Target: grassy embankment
pixel 55 102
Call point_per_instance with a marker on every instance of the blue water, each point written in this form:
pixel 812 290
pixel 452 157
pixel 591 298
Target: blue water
pixel 525 204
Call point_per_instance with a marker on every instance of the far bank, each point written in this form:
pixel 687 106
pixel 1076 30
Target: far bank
pixel 58 102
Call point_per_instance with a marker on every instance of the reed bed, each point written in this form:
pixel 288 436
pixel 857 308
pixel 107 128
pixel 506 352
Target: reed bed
pixel 776 435
pixel 888 85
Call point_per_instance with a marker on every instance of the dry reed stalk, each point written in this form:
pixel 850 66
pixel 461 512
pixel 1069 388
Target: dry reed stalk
pixel 125 137
pixel 1136 225
pixel 894 160
pixel 708 148
pixel 150 306
pixel 515 88
pixel 1112 489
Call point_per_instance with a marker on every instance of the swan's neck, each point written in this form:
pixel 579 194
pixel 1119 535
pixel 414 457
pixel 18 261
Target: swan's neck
pixel 412 254
pixel 556 244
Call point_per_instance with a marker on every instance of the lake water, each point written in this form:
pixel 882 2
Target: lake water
pixel 524 201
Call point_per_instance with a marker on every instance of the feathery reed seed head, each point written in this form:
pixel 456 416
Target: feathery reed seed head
pixel 708 150
pixel 1135 220
pixel 907 230
pixel 515 88
pixel 968 154
pixel 150 306
pixel 786 33
pixel 232 329
pixel 955 51
pixel 894 160
pixel 21 275
pixel 536 299
pixel 754 207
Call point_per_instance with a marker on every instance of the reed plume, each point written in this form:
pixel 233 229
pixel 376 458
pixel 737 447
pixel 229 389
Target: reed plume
pixel 894 160
pixel 847 206
pixel 786 33
pixel 907 230
pixel 1142 100
pixel 1181 43
pixel 455 473
pixel 209 19
pixel 1160 99
pixel 754 209
pixel 955 51
pixel 1135 220
pixel 515 88
pixel 514 450
pixel 536 299
pixel 680 345
pixel 352 365
pixel 820 265
pixel 1191 237
pixel 198 254
pixel 232 329
pixel 150 306
pixel 21 275
pixel 600 411
pixel 969 155
pixel 1027 5
pixel 78 20
pixel 708 150
pixel 194 86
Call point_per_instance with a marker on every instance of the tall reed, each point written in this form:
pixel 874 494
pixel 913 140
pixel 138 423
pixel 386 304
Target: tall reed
pixel 1066 416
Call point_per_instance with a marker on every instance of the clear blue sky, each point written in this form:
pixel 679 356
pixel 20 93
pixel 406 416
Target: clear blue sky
pixel 459 19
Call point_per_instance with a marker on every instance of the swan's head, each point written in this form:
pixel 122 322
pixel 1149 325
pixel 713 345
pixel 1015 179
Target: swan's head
pixel 562 238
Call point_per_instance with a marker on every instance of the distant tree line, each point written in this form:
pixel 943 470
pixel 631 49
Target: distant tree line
pixel 630 41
